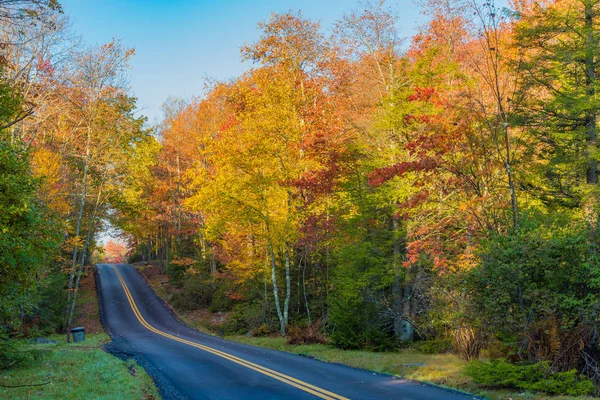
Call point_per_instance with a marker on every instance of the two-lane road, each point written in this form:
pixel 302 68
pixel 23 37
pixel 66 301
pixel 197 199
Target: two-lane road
pixel 189 364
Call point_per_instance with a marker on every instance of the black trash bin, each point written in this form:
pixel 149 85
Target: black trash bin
pixel 78 334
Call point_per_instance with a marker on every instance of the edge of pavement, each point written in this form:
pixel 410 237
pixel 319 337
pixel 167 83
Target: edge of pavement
pixel 165 388
pixel 415 381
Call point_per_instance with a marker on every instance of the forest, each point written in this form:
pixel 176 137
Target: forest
pixel 352 187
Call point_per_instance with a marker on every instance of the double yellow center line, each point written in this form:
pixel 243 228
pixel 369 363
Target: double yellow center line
pixel 321 393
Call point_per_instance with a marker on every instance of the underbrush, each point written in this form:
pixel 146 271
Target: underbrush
pixel 534 377
pixel 303 335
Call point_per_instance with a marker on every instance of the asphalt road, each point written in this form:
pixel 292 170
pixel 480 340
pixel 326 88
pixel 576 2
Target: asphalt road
pixel 189 364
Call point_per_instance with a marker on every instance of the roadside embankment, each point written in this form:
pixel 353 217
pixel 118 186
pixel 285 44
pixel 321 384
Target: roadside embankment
pixel 49 368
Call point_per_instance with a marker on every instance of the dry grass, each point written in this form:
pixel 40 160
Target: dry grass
pixel 440 369
pixel 87 304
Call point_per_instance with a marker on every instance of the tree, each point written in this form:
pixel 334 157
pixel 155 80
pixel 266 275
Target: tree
pixel 27 241
pixel 561 45
pixel 114 252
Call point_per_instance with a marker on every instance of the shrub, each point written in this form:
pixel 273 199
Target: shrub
pixel 220 301
pixel 263 330
pixel 179 301
pixel 236 322
pixel 358 324
pixel 247 317
pixel 540 285
pixel 535 377
pixel 176 270
pixel 135 257
pixel 435 346
pixel 467 343
pixel 199 292
pixel 306 334
pixel 14 355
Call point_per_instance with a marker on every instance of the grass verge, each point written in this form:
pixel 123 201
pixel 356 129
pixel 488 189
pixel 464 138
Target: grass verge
pixel 444 370
pixel 440 369
pixel 76 371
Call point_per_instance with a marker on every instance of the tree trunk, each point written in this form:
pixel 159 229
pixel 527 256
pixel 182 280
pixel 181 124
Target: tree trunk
pixel 213 261
pixel 91 230
pixel 78 227
pixel 288 287
pixel 397 295
pixel 304 289
pixel 590 82
pixel 276 289
pixel 161 249
pixel 282 319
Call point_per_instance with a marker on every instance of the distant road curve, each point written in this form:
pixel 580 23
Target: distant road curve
pixel 187 364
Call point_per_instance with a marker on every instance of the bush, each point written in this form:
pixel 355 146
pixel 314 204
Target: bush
pixel 248 317
pixel 535 377
pixel 135 257
pixel 540 285
pixel 357 324
pixel 51 307
pixel 467 343
pixel 236 322
pixel 263 330
pixel 306 334
pixel 14 355
pixel 199 292
pixel 220 301
pixel 176 270
pixel 435 346
pixel 179 301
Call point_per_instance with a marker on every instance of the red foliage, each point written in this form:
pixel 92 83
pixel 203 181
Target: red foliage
pixel 114 252
pixel 382 175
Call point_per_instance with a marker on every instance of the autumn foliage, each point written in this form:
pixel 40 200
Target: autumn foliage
pixel 361 187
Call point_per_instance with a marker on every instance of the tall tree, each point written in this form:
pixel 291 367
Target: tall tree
pixel 561 48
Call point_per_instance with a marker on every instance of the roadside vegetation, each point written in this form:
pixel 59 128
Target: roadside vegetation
pixel 43 365
pixel 73 370
pixel 352 189
pixel 427 361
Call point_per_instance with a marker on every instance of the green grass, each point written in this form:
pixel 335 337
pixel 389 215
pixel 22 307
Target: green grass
pixel 76 371
pixel 440 369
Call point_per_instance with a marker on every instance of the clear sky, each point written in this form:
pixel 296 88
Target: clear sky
pixel 180 42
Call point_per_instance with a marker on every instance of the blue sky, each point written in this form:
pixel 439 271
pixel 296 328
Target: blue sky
pixel 180 42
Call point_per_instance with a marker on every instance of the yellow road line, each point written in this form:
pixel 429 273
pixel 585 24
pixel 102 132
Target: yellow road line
pixel 307 387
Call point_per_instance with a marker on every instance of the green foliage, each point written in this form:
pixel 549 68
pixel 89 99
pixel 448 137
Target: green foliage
pixel 52 302
pixel 247 317
pixel 237 321
pixel 179 301
pixel 262 330
pixel 10 103
pixel 305 335
pixel 28 236
pixel 12 355
pixel 357 324
pixel 199 291
pixel 546 268
pixel 434 346
pixel 535 377
pixel 176 273
pixel 363 278
pixel 135 257
pixel 220 300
